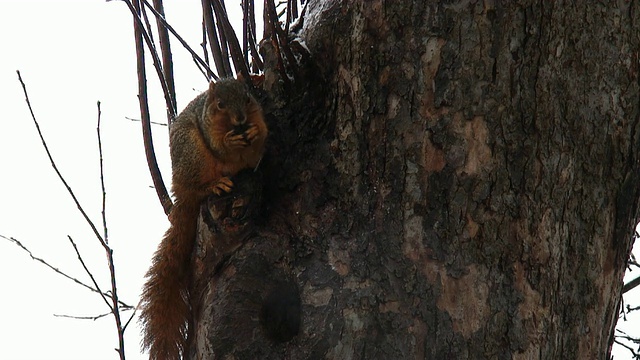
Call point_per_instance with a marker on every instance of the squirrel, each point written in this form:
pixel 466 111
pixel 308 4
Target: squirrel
pixel 221 132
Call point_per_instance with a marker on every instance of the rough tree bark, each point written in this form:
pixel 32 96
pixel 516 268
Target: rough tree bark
pixel 445 180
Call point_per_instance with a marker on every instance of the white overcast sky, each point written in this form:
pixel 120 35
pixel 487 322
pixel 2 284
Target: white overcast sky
pixel 72 54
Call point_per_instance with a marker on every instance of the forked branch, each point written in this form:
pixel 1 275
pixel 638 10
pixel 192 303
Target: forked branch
pixel 114 304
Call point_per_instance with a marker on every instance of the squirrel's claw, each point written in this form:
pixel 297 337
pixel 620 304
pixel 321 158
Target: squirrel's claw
pixel 224 185
pixel 251 133
pixel 235 141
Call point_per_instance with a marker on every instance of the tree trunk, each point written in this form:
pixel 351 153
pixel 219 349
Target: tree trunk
pixel 444 180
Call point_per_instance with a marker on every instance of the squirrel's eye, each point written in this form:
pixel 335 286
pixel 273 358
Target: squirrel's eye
pixel 221 105
pixel 248 99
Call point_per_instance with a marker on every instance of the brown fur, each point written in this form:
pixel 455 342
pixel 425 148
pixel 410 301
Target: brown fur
pixel 218 134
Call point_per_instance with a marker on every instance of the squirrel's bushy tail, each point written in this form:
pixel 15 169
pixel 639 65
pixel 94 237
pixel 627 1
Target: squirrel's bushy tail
pixel 165 308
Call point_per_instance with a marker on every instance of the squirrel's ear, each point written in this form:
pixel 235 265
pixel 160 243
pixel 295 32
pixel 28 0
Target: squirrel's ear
pixel 210 94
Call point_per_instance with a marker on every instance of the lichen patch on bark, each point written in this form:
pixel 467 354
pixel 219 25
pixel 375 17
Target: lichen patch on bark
pixel 465 300
pixel 339 261
pixel 412 246
pixel 430 61
pixel 475 135
pixel 316 297
pixel 531 310
pixel 434 160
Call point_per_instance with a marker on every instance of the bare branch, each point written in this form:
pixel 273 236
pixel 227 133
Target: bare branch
pixel 224 42
pixel 55 168
pixel 271 25
pixel 250 16
pixel 245 28
pixel 181 40
pixel 147 24
pixel 58 271
pixel 625 336
pixel 205 53
pixel 633 353
pixel 256 62
pixel 45 263
pixel 630 309
pixel 165 49
pixel 171 110
pixel 104 193
pixel 279 35
pixel 299 22
pixel 135 310
pixel 116 309
pixel 99 291
pixel 152 122
pixel 102 240
pixel 221 61
pixel 292 14
pixel 631 284
pixel 156 176
pixel 82 317
pixel 204 43
pixel 239 62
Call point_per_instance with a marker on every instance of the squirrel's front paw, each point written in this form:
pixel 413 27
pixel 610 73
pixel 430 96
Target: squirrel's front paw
pixel 251 133
pixel 234 140
pixel 224 185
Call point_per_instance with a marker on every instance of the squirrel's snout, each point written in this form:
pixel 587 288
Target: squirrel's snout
pixel 238 120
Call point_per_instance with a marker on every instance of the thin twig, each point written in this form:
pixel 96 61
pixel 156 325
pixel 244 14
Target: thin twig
pixel 104 192
pixel 625 336
pixel 86 269
pixel 630 309
pixel 82 317
pixel 45 263
pixel 135 310
pixel 205 53
pixel 59 272
pixel 152 122
pixel 103 241
pixel 55 168
pixel 626 346
pixel 204 43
